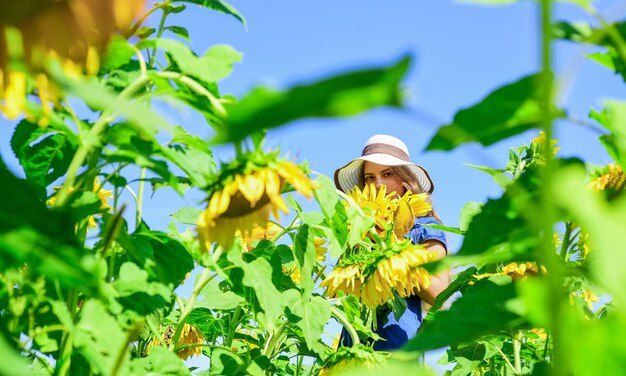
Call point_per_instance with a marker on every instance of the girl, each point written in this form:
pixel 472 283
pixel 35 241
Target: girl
pixel 385 161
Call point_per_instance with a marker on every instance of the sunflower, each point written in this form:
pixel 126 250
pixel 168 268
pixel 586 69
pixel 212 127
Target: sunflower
pixel 375 274
pixel 103 194
pixel 400 272
pixel 190 335
pixel 388 209
pixel 244 195
pixel 347 279
pixel 258 233
pixel 609 178
pixel 536 148
pixel 33 32
pixel 516 271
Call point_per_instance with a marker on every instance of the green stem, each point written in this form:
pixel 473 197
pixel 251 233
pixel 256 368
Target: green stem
pixel 199 89
pixel 517 347
pixel 273 339
pixel 546 250
pixel 341 317
pixel 141 20
pixel 506 359
pixel 88 145
pixel 234 323
pixel 566 242
pixel 158 35
pixel 139 203
pixel 203 279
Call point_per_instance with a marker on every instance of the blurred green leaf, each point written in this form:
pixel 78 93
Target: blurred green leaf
pixel 469 211
pixel 459 283
pixel 612 117
pixel 216 63
pixel 604 221
pixel 12 363
pixel 187 216
pixel 505 220
pixel 342 95
pixel 505 112
pixel 118 53
pixel 98 337
pixel 480 311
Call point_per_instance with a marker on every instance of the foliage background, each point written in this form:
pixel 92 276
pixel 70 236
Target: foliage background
pixel 462 51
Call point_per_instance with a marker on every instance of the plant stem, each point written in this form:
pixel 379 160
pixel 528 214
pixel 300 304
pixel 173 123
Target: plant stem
pixel 566 242
pixel 139 202
pixel 341 317
pixel 506 359
pixel 203 279
pixel 517 346
pixel 272 341
pixel 87 144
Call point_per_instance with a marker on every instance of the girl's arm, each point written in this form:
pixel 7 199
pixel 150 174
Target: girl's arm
pixel 438 282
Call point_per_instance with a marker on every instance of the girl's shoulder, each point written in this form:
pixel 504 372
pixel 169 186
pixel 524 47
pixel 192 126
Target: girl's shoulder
pixel 420 233
pixel 426 220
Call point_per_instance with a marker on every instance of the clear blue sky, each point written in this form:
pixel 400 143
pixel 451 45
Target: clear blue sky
pixel 462 52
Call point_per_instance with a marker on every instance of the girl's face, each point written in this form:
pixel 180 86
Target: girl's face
pixel 382 175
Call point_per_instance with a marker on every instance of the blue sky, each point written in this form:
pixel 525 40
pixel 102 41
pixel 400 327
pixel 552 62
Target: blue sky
pixel 462 52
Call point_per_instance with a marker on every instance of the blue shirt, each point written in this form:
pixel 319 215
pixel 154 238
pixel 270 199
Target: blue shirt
pixel 396 333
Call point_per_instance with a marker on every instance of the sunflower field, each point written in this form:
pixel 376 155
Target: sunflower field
pixel 247 282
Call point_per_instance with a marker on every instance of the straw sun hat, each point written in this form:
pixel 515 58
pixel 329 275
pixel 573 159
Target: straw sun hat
pixel 384 150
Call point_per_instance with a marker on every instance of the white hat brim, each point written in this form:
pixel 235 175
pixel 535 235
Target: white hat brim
pixel 351 175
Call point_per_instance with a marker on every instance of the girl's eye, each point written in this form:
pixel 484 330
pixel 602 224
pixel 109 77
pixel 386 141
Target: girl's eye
pixel 369 178
pixel 387 174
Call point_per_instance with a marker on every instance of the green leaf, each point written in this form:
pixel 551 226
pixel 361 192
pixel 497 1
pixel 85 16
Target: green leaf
pixel 98 337
pixel 482 310
pixel 160 362
pixel 258 276
pixel 469 211
pixel 193 155
pixel 226 363
pixel 214 298
pixel 140 148
pixel 216 63
pixel 507 111
pixel 604 221
pixel 99 97
pixel 460 282
pixel 339 96
pixel 44 154
pixel 135 292
pixel 187 216
pixel 12 363
pixel 180 31
pixel 165 258
pixel 505 220
pixel 304 248
pixel 311 317
pixel 612 117
pixel 218 5
pixel 118 53
pixel 83 204
pixel 499 176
